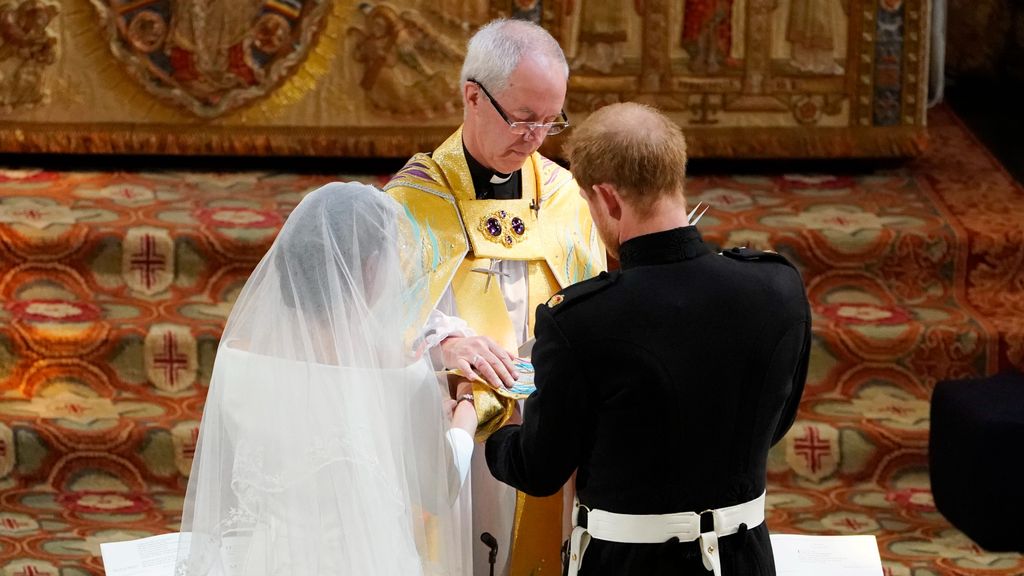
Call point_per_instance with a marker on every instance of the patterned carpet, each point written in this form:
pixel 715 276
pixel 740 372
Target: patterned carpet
pixel 115 286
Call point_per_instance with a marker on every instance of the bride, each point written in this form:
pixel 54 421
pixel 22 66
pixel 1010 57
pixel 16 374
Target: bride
pixel 327 446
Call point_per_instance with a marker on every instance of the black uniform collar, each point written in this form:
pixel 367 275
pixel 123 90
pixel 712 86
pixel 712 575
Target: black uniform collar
pixel 665 247
pixel 490 185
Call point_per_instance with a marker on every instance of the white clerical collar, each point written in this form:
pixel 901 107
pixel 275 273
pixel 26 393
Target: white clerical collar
pixel 497 178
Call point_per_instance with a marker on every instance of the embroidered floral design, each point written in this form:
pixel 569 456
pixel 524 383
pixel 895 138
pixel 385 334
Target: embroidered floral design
pixel 36 214
pixel 913 498
pixel 54 311
pixel 238 218
pixel 98 502
pixel 863 313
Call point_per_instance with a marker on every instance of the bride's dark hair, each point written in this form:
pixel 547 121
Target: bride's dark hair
pixel 320 242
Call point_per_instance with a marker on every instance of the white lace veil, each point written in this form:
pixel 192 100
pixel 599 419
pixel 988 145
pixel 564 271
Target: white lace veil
pixel 323 448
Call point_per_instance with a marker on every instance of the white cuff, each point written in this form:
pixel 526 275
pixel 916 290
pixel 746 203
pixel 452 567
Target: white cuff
pixel 462 448
pixel 440 326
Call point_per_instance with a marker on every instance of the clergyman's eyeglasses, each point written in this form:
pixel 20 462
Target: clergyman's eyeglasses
pixel 521 128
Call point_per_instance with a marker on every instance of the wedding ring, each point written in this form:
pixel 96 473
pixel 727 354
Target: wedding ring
pixel 476 359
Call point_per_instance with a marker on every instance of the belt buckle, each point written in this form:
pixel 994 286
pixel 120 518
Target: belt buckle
pixel 710 520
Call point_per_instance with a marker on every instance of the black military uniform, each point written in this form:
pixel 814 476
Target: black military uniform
pixel 664 384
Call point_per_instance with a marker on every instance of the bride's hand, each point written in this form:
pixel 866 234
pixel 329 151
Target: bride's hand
pixel 464 413
pixel 448 405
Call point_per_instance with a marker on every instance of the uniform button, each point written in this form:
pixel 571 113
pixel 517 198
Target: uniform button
pixel 711 549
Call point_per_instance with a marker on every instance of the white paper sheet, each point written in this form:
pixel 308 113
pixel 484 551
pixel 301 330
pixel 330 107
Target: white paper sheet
pixel 156 555
pixel 800 555
pixel 153 556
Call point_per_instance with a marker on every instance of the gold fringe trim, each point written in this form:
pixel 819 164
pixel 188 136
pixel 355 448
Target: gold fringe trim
pixel 895 142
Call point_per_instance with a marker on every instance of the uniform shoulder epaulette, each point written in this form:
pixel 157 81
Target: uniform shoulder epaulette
pixel 580 291
pixel 751 255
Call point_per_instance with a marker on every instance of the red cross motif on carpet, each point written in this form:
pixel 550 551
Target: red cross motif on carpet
pixel 169 361
pixel 896 410
pixel 853 524
pixel 127 193
pixel 185 437
pixel 28 214
pixel 190 446
pixel 36 213
pixel 30 570
pixel 839 221
pixel 813 450
pixel 74 409
pixel 171 357
pixel 12 523
pixel 725 199
pixel 811 447
pixel 148 261
pixel 913 498
pixel 849 523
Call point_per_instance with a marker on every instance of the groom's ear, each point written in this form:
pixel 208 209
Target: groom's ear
pixel 610 199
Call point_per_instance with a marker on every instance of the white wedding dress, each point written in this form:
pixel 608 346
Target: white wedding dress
pixel 324 448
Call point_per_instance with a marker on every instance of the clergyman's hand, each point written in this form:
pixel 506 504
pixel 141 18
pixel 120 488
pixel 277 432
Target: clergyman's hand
pixel 480 356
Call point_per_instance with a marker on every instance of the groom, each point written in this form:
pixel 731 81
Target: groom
pixel 664 384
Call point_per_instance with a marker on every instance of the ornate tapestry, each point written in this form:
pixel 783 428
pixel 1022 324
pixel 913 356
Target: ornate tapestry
pixel 754 78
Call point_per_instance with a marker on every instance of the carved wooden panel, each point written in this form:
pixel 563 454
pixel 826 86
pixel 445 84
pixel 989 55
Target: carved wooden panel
pixel 745 78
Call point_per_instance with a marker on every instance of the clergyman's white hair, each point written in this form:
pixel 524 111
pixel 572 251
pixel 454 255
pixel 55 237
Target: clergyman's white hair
pixel 496 49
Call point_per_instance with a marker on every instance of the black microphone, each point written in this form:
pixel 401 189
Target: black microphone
pixel 491 543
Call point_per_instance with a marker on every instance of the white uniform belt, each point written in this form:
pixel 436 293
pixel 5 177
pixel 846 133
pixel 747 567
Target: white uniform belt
pixel 658 528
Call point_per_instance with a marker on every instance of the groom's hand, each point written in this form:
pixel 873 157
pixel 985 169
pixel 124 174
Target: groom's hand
pixel 480 356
